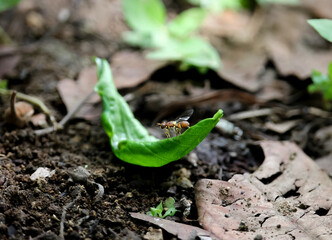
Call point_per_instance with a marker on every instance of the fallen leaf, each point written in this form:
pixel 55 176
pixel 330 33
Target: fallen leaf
pixel 324 136
pixel 319 8
pixel 154 234
pixel 243 67
pixel 182 231
pixel 288 197
pixel 273 88
pixel 73 92
pixel 132 68
pixel 326 164
pixel 8 62
pixel 293 46
pixel 282 127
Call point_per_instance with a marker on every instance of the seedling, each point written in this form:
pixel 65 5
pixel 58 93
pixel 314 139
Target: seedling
pixel 321 82
pixel 6 4
pixel 172 41
pixel 163 211
pixel 130 141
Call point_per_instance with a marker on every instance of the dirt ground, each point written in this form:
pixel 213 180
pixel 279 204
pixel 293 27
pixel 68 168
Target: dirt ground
pixel 47 51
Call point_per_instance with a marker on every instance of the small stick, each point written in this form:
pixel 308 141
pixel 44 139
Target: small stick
pixel 63 122
pixel 63 216
pixel 32 100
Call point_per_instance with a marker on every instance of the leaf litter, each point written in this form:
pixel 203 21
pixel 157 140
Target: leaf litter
pixel 288 196
pixel 97 32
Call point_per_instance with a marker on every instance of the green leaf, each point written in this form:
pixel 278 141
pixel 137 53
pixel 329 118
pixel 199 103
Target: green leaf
pixel 3 84
pixel 329 72
pixel 144 15
pixel 288 2
pixel 186 22
pixel 157 211
pixel 321 83
pixel 323 27
pixel 6 4
pixel 130 141
pixel 193 52
pixel 169 202
pixel 153 39
pixel 169 205
pixel 218 5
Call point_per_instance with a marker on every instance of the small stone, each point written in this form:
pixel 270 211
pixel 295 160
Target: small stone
pixel 258 237
pixel 79 174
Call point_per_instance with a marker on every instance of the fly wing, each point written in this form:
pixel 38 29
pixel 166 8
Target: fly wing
pixel 185 116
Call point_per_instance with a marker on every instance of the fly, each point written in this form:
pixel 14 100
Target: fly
pixel 178 124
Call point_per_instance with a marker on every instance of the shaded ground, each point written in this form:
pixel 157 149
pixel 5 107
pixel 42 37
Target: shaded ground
pixel 50 51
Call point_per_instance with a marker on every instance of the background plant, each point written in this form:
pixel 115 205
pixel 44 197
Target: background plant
pixel 174 40
pixel 322 82
pixel 163 210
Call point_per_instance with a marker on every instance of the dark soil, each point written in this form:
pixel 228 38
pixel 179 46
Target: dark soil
pixel 33 209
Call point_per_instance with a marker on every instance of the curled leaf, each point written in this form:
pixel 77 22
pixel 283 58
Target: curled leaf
pixel 130 141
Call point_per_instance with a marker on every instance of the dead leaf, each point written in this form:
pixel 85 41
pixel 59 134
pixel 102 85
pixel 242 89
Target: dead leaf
pixel 9 61
pixel 326 164
pixel 324 136
pixel 273 88
pixel 226 24
pixel 154 234
pixel 182 231
pixel 282 127
pixel 295 48
pixel 132 68
pixel 73 92
pixel 242 67
pixel 320 8
pixel 288 197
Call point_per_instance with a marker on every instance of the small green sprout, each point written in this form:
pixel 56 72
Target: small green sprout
pixel 322 83
pixel 168 209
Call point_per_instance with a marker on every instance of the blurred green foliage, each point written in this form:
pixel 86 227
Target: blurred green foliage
pixel 6 4
pixel 322 83
pixel 323 27
pixel 174 40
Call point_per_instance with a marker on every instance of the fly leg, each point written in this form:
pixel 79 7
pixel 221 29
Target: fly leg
pixel 168 135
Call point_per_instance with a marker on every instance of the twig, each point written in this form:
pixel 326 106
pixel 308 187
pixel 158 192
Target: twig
pixel 32 100
pixel 63 216
pixel 101 190
pixel 63 122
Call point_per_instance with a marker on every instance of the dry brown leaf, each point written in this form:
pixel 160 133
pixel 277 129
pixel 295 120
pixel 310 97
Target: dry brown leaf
pixel 8 62
pixel 295 48
pixel 73 92
pixel 288 197
pixel 324 136
pixel 132 68
pixel 182 231
pixel 242 67
pixel 326 163
pixel 282 127
pixel 320 8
